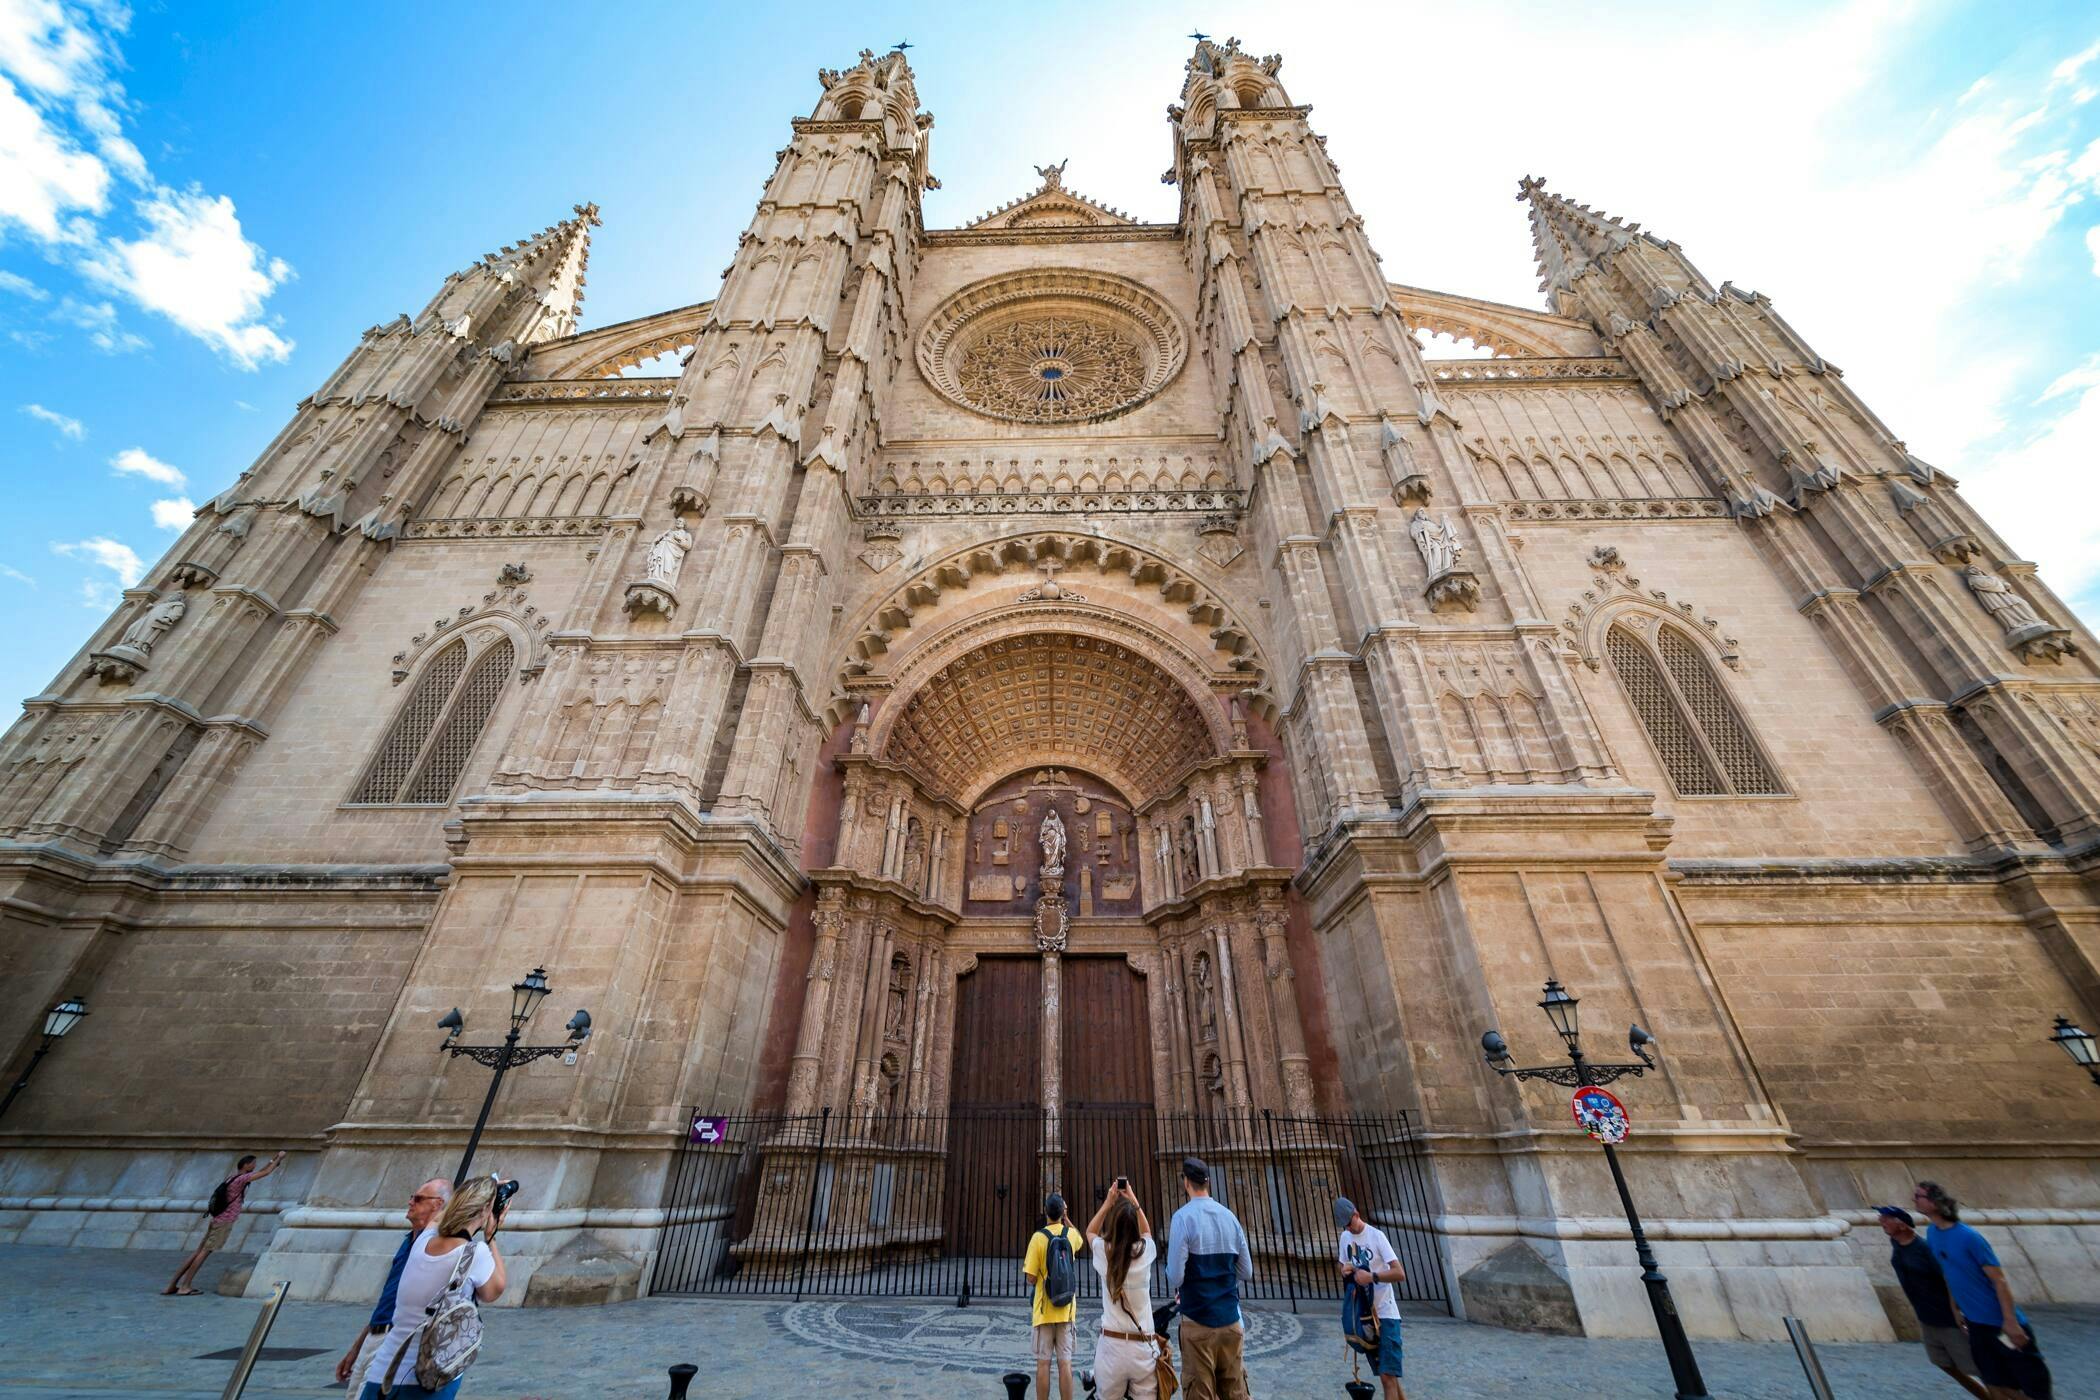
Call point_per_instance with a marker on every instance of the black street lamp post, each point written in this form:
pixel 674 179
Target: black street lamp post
pixel 1560 1008
pixel 57 1021
pixel 2079 1045
pixel 525 998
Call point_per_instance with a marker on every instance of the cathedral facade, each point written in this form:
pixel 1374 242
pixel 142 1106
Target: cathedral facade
pixel 1066 605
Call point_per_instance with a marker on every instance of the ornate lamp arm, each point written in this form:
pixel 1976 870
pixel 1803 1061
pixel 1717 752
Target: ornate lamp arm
pixel 489 1056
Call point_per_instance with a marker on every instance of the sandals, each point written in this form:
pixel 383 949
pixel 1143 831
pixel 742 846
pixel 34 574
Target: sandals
pixel 185 1292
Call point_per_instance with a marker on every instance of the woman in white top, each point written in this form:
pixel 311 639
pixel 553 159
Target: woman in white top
pixel 1120 1240
pixel 431 1260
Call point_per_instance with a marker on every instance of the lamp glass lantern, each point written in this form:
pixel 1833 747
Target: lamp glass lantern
pixel 526 996
pixel 63 1017
pixel 1560 1009
pixel 2079 1044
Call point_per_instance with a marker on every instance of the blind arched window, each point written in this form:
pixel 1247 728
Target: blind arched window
pixel 1700 736
pixel 427 746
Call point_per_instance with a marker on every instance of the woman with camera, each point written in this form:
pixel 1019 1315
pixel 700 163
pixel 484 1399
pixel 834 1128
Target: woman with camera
pixel 436 1268
pixel 1119 1239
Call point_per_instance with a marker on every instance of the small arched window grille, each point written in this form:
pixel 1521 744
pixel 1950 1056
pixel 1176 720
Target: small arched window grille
pixel 426 748
pixel 1700 736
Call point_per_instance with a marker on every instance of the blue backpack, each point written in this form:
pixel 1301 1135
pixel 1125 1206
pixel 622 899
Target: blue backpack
pixel 1360 1318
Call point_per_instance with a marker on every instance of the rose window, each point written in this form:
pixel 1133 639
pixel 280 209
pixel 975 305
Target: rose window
pixel 1055 368
pixel 1053 346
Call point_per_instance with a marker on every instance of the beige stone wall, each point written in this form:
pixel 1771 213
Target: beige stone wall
pixel 287 802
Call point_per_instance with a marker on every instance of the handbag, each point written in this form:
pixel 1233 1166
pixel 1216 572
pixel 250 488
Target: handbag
pixel 1163 1376
pixel 449 1336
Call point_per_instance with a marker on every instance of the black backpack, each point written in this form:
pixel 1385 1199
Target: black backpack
pixel 1060 1273
pixel 219 1196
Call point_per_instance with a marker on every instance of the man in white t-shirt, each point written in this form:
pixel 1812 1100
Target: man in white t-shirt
pixel 1366 1259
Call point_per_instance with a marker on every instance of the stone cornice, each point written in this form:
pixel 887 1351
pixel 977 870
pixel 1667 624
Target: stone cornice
pixel 1056 233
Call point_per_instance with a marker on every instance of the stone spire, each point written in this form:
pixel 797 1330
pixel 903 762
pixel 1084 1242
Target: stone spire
pixel 1567 237
pixel 526 292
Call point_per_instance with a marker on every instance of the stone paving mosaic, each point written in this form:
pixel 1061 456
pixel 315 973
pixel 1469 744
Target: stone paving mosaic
pixel 980 1339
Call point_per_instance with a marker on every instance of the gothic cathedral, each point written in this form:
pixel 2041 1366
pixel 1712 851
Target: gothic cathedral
pixel 1070 661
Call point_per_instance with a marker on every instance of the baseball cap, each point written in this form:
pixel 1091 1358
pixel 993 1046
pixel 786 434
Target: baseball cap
pixel 1896 1213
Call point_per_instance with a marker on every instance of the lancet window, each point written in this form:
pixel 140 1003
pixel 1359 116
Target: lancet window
pixel 1704 744
pixel 426 748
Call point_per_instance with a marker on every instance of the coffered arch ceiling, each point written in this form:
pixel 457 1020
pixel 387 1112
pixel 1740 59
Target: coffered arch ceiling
pixel 1049 698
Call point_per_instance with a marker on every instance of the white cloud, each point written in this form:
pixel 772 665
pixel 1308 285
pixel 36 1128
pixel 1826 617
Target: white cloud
pixel 62 152
pixel 9 571
pixel 198 269
pixel 120 559
pixel 99 320
pixel 2027 490
pixel 2092 245
pixel 22 287
pixel 135 461
pixel 70 427
pixel 174 514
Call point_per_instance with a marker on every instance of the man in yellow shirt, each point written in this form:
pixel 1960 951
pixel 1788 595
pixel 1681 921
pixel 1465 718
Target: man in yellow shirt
pixel 1055 1275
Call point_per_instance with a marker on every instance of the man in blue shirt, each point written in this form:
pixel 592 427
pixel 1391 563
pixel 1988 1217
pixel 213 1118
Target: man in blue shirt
pixel 423 1207
pixel 2000 1338
pixel 1207 1256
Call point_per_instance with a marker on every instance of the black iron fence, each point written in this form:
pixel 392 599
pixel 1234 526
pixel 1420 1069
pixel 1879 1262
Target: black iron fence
pixel 942 1205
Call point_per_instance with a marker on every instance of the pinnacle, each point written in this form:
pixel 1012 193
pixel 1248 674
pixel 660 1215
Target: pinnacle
pixel 1567 237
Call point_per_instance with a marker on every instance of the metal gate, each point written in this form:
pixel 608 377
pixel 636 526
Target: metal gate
pixel 942 1205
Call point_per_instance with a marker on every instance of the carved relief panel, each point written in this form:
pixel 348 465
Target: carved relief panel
pixel 1006 854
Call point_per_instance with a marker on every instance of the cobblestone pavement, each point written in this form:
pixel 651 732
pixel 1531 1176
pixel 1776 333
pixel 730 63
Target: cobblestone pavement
pixel 90 1323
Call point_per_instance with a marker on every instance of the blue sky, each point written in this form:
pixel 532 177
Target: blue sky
pixel 202 207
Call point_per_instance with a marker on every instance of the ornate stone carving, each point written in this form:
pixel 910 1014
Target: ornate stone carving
pixel 1437 541
pixel 883 549
pixel 122 662
pixel 1220 542
pixel 506 602
pixel 657 590
pixel 1053 923
pixel 1615 590
pixel 2025 630
pixel 1051 346
pixel 202 567
pixel 1050 590
pixel 1052 837
pixel 511 574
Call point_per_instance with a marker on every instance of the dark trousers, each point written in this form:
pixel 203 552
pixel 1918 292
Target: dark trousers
pixel 1999 1365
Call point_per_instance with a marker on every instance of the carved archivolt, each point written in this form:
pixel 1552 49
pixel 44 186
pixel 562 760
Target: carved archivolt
pixel 1618 596
pixel 1052 345
pixel 1033 554
pixel 503 607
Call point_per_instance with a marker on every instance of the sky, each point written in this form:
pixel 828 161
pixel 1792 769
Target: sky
pixel 202 207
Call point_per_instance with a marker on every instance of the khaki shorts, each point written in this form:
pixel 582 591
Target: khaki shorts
pixel 215 1237
pixel 1053 1341
pixel 1948 1347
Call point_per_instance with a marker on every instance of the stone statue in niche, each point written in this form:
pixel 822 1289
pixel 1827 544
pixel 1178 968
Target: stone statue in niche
pixel 1437 541
pixel 1186 846
pixel 899 997
pixel 1206 997
pixel 2026 631
pixel 1999 599
pixel 1053 839
pixel 667 555
pixel 153 623
pixel 914 854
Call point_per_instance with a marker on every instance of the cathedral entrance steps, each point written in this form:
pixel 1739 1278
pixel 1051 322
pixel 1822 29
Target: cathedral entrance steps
pixel 846 1203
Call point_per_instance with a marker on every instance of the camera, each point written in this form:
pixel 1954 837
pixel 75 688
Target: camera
pixel 504 1191
pixel 1122 1183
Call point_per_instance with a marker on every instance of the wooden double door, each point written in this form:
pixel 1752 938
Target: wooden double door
pixel 1003 1148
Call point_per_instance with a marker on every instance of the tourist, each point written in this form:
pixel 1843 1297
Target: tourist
pixel 2001 1342
pixel 1207 1256
pixel 426 1275
pixel 1918 1273
pixel 227 1200
pixel 1120 1240
pixel 423 1207
pixel 1367 1260
pixel 1052 1267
